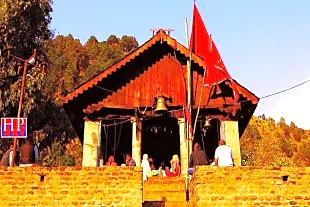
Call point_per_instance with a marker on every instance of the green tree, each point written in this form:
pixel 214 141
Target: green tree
pixel 67 60
pixel 295 132
pixel 128 43
pixel 304 152
pixel 92 48
pixel 23 32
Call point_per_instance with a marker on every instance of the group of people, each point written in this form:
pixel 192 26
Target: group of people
pixel 149 169
pixel 26 155
pixel 128 162
pixel 223 157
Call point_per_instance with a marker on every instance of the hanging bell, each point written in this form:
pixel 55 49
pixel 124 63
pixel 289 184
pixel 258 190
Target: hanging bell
pixel 207 124
pixel 161 105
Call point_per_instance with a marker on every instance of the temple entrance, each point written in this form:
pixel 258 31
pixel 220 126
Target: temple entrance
pixel 116 140
pixel 161 139
pixel 209 137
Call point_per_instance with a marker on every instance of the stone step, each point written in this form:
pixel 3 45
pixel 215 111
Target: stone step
pixel 164 189
pixel 164 204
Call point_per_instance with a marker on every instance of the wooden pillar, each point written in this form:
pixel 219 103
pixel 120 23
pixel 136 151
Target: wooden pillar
pixel 183 146
pixel 92 142
pixel 230 133
pixel 136 139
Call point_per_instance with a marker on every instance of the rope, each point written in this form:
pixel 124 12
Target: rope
pixel 119 136
pixel 114 142
pixel 197 114
pixel 202 137
pixel 288 89
pixel 122 122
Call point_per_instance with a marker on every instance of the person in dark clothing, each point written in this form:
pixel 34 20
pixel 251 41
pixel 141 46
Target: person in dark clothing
pixel 198 157
pixel 27 153
pixel 130 161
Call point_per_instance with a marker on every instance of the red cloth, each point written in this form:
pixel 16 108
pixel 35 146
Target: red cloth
pixel 202 45
pixel 176 168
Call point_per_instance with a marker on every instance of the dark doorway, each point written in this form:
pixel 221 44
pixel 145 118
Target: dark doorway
pixel 161 139
pixel 116 140
pixel 208 137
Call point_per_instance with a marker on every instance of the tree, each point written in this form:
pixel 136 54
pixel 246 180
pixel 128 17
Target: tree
pixel 295 132
pixel 112 39
pixel 128 43
pixel 267 143
pixel 23 31
pixel 92 48
pixel 304 152
pixel 66 56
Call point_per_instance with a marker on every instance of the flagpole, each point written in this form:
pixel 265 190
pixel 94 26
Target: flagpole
pixel 188 74
pixel 189 78
pixel 188 122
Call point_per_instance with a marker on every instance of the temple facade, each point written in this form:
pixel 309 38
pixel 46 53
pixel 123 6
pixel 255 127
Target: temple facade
pixel 137 106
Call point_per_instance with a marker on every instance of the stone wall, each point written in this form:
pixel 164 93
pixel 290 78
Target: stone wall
pixel 71 186
pixel 122 186
pixel 164 192
pixel 250 186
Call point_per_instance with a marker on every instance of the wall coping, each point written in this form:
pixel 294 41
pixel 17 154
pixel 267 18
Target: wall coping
pixel 69 169
pixel 250 168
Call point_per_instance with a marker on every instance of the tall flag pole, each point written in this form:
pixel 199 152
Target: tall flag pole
pixel 202 45
pixel 189 90
pixel 187 108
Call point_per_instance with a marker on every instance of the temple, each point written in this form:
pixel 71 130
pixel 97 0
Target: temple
pixel 137 106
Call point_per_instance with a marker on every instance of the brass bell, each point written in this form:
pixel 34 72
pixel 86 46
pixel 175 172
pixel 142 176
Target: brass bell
pixel 207 123
pixel 161 105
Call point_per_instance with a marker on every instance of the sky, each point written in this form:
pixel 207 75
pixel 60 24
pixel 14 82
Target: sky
pixel 264 44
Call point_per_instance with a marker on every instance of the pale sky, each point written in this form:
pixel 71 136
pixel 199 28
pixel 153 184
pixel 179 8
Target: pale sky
pixel 264 44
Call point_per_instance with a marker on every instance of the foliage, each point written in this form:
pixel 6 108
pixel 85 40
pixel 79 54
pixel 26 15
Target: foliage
pixel 72 63
pixel 67 160
pixel 267 143
pixel 75 149
pixel 24 26
pixel 22 31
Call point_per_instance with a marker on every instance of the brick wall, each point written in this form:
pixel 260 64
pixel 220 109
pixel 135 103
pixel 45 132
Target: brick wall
pixel 71 186
pixel 250 186
pixel 121 186
pixel 164 192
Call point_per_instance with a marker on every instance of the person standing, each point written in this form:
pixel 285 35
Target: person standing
pixel 198 157
pixel 28 153
pixel 145 166
pixel 223 155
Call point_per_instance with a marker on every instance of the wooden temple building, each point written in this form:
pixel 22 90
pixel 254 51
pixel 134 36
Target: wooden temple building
pixel 115 112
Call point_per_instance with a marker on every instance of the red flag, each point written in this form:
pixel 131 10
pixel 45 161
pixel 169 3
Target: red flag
pixel 202 45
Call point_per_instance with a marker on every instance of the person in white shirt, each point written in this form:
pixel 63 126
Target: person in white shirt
pixel 223 155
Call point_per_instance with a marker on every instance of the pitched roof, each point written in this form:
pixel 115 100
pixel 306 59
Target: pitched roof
pixel 84 99
pixel 161 36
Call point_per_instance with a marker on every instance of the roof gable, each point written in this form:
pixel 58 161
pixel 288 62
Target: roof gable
pixel 161 36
